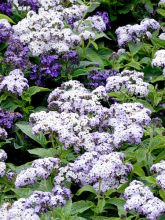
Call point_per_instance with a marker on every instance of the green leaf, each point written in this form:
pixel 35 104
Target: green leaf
pixel 119 202
pixel 94 44
pixel 138 170
pixel 81 206
pixel 160 157
pixel 122 187
pixel 159 78
pixel 94 57
pixel 68 207
pixel 26 129
pixel 135 47
pixel 86 188
pixel 2 16
pixel 161 11
pixel 93 6
pixel 134 64
pixel 145 60
pixel 32 91
pixel 80 72
pixel 42 152
pixel 100 205
pixel 157 143
pixel 23 192
pixel 149 179
pixel 162 194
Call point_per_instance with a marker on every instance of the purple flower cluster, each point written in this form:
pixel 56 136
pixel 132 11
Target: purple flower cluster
pixel 44 201
pixel 17 54
pixel 7 118
pixel 71 57
pixel 5 33
pixel 49 68
pixel 5 7
pixel 34 5
pixel 50 65
pixel 105 18
pixel 98 78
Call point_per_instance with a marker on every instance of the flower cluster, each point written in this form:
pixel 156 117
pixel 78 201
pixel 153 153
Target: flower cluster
pixel 162 36
pixel 133 33
pixel 40 169
pixel 159 168
pixel 98 78
pixel 17 211
pixel 15 82
pixel 26 5
pixel 49 68
pixel 44 201
pixel 101 171
pixel 5 7
pixel 3 157
pixel 5 30
pixel 159 60
pixel 17 54
pixel 47 29
pixel 89 27
pixel 140 199
pixel 105 18
pixel 7 120
pixel 38 202
pixel 130 80
pixel 81 121
pixel 128 121
pixel 3 133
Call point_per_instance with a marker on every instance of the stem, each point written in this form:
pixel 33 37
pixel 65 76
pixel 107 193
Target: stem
pixel 99 187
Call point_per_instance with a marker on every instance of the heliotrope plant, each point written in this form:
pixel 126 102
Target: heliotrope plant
pixel 82 110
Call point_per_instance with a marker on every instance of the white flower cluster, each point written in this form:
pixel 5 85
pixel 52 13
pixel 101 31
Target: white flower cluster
pixel 159 168
pixel 37 202
pixel 55 4
pixel 17 211
pixel 72 96
pixel 128 121
pixel 161 3
pixel 88 27
pixel 81 121
pixel 3 133
pixel 133 33
pixel 162 36
pixel 3 157
pixel 159 60
pixel 41 169
pixel 47 29
pixel 15 82
pixel 130 80
pixel 15 3
pixel 139 198
pixel 5 23
pixel 101 171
